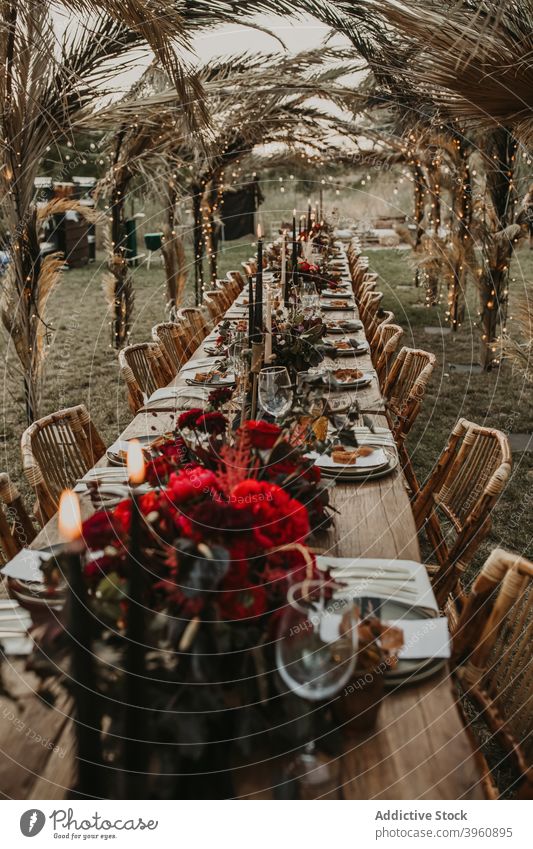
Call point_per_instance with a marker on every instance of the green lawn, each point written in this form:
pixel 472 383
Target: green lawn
pixel 82 367
pixel 500 399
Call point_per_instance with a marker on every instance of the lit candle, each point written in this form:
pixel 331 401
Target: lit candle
pixel 135 463
pixel 90 776
pixel 135 754
pixel 258 310
pixel 69 518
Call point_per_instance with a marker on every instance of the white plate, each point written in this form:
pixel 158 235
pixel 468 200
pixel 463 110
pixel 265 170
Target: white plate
pixel 344 294
pixel 331 306
pixel 359 383
pixel 377 460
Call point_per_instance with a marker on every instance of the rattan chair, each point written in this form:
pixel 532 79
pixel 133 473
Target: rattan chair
pixel 454 505
pixel 230 288
pixel 217 304
pixel 369 306
pixel 388 338
pixel 368 280
pixel 198 323
pixel 16 527
pixel 493 649
pixel 403 390
pixel 383 317
pixel 238 279
pixel 170 336
pixel 145 368
pixel 57 450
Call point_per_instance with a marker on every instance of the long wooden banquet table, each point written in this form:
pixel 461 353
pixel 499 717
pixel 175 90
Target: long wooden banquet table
pixel 419 748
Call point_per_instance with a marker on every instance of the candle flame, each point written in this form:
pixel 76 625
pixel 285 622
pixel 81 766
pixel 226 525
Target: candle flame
pixel 294 213
pixel 69 520
pixel 135 462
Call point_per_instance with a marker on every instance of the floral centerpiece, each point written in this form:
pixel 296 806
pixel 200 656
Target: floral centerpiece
pixel 296 342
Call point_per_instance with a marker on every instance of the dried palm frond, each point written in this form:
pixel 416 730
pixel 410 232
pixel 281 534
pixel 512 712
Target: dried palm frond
pixel 474 59
pixel 49 87
pixel 519 348
pixel 58 206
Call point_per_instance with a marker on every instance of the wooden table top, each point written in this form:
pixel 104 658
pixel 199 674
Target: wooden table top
pixel 419 748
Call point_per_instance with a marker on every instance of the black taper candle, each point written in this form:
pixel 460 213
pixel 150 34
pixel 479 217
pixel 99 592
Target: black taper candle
pixel 294 271
pixel 309 216
pixel 87 710
pixel 90 775
pixel 258 303
pixel 135 725
pixel 251 314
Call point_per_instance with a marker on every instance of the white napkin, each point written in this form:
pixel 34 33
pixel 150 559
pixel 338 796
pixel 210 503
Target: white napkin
pixel 424 638
pixel 374 576
pixel 25 566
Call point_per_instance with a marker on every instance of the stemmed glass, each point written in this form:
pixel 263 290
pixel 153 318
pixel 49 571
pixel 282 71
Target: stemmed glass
pixel 275 391
pixel 236 351
pixel 309 297
pixel 316 656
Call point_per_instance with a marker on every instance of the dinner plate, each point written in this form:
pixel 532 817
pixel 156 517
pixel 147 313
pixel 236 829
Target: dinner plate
pixel 342 352
pixel 354 472
pixel 375 461
pixel 355 384
pixel 344 294
pixel 408 671
pixel 332 306
pixel 342 327
pixel 114 455
pixel 217 381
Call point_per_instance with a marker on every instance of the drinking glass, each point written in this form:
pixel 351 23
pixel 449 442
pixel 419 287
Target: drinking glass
pixel 275 391
pixel 316 655
pixel 236 351
pixel 318 640
pixel 309 297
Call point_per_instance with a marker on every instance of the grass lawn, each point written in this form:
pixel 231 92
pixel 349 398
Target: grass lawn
pixel 499 399
pixel 82 367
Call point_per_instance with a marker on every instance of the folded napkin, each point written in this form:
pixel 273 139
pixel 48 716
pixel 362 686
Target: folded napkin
pixel 199 393
pixel 405 580
pixel 26 566
pixel 424 638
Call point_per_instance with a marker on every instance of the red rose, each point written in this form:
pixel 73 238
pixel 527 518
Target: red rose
pixel 188 418
pixel 212 423
pixel 241 601
pixel 279 519
pixel 263 435
pixel 99 568
pixel 98 530
pixel 158 470
pixel 149 503
pixel 190 483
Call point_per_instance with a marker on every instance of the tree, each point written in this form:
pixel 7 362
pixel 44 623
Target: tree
pixel 47 88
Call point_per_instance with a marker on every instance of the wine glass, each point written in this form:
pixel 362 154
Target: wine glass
pixel 309 296
pixel 236 350
pixel 316 656
pixel 317 649
pixel 275 391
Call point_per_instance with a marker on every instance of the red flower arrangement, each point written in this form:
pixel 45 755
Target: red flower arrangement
pixel 213 545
